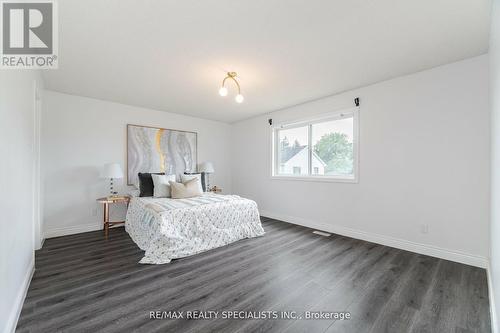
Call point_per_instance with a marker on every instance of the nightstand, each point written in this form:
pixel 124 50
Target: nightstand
pixel 106 202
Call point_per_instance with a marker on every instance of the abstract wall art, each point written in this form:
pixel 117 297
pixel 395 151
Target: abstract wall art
pixel 152 149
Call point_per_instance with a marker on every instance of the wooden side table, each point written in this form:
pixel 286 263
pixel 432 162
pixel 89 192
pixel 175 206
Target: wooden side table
pixel 106 202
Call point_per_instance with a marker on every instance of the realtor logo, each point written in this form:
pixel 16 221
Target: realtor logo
pixel 29 34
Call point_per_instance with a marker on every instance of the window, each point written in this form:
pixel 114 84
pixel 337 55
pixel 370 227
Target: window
pixel 292 153
pixel 321 149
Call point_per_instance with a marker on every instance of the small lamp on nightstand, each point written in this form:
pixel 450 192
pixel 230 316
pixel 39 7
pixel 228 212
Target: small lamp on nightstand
pixel 112 171
pixel 208 168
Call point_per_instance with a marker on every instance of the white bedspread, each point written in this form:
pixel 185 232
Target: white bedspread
pixel 174 228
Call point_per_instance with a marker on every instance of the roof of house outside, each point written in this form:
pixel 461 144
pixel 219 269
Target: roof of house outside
pixel 290 153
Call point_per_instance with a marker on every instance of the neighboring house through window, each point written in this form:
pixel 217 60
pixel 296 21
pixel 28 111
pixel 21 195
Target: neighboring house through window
pixel 321 148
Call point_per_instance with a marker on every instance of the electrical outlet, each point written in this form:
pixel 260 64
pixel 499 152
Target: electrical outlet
pixel 424 228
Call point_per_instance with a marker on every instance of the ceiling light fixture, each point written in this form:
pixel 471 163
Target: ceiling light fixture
pixel 223 90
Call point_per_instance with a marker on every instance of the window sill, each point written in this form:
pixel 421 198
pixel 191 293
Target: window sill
pixel 322 179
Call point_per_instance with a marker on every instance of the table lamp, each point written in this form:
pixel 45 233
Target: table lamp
pixel 207 168
pixel 112 171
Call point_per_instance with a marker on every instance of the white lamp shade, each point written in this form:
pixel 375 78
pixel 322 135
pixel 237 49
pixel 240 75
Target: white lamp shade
pixel 112 170
pixel 206 167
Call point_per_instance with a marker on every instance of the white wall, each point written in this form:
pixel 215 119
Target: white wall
pixel 81 134
pixel 495 159
pixel 424 160
pixel 17 128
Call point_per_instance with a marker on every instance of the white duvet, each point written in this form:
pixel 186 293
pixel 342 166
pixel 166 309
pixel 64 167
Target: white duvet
pixel 174 228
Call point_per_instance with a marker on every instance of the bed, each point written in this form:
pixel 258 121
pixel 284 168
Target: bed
pixel 168 229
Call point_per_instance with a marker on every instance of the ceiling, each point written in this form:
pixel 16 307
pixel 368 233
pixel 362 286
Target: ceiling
pixel 172 55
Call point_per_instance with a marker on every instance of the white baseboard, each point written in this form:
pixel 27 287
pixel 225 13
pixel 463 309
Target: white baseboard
pixel 493 312
pixel 64 231
pixel 402 244
pixel 40 245
pixel 17 306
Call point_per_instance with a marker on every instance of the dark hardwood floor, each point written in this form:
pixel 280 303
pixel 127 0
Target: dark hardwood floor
pixel 84 283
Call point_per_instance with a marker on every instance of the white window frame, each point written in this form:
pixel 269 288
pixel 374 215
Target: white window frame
pixel 309 122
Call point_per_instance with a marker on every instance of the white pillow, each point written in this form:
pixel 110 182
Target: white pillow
pixel 188 189
pixel 161 185
pixel 186 178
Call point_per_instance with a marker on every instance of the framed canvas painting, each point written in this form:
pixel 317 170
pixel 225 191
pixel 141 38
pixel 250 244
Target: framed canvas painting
pixel 153 149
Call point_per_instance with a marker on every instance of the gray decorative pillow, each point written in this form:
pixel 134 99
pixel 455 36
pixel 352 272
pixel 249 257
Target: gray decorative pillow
pixel 189 189
pixel 146 184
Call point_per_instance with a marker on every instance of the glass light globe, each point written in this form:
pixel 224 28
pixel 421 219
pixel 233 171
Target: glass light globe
pixel 223 91
pixel 239 98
